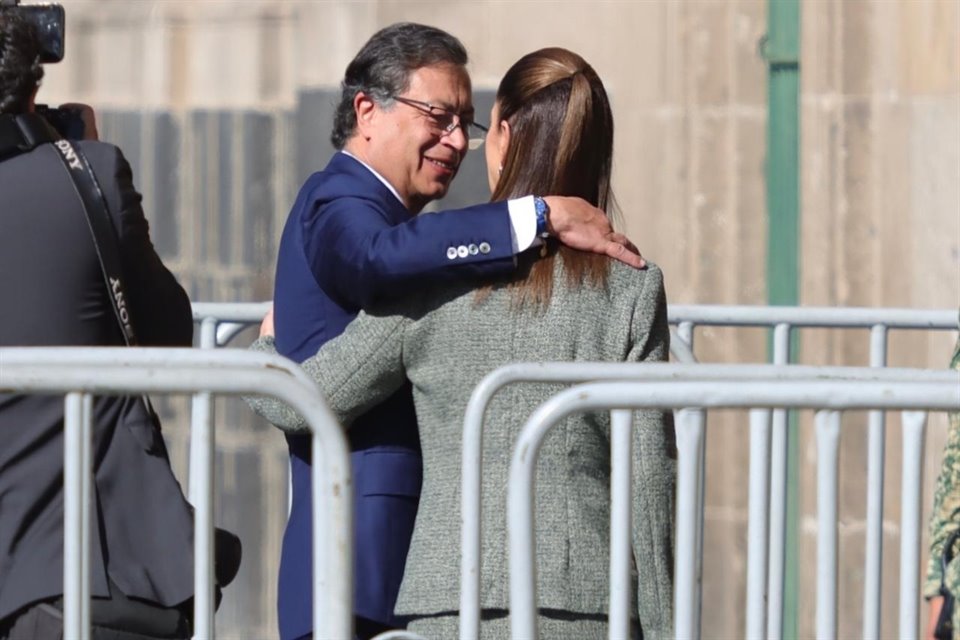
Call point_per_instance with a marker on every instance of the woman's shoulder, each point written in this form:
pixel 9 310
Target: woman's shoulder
pixel 624 277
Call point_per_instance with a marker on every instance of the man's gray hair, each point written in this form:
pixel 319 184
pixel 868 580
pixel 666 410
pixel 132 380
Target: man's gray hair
pixel 383 67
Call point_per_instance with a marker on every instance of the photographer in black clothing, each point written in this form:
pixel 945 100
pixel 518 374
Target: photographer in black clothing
pixel 53 294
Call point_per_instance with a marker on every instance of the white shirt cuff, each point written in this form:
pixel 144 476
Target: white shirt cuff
pixel 523 223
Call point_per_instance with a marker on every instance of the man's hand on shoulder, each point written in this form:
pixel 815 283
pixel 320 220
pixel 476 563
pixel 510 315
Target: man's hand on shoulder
pixel 579 225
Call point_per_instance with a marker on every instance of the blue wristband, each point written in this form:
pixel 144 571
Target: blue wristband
pixel 541 208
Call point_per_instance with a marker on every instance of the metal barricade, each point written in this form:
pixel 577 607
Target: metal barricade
pixel 913 392
pixel 81 372
pixel 783 321
pixel 220 322
pixel 690 432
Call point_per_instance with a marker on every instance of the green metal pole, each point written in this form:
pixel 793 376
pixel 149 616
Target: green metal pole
pixel 782 51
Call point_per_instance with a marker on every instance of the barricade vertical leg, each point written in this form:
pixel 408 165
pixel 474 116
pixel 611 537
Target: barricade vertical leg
pixel 681 344
pixel 914 425
pixel 828 457
pixel 208 340
pixel 521 534
pixel 685 334
pixel 87 489
pixel 685 330
pixel 697 603
pixel 202 481
pixel 332 519
pixel 202 496
pixel 700 417
pixel 76 471
pixel 621 458
pixel 876 443
pixel 471 496
pixel 778 521
pixel 320 539
pixel 778 497
pixel 757 524
pixel 689 424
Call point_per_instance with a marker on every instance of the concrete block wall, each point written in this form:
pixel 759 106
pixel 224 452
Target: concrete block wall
pixel 880 147
pixel 223 108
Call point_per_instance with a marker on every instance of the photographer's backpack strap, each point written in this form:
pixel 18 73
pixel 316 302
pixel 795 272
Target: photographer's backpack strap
pixel 101 228
pixel 22 133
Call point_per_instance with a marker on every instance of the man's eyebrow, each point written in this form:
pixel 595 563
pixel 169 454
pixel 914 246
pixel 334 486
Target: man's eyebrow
pixel 446 106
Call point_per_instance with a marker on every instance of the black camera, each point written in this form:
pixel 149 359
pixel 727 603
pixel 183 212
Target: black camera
pixel 48 20
pixel 68 121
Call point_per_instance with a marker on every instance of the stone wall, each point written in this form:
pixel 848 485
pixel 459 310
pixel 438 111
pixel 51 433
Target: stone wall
pixel 223 108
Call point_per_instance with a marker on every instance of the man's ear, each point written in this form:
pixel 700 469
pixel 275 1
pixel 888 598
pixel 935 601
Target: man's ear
pixel 503 141
pixel 366 110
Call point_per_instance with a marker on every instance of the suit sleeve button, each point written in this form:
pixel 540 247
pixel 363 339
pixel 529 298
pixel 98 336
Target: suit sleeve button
pixel 473 249
pixel 484 247
pixel 462 251
pixel 452 253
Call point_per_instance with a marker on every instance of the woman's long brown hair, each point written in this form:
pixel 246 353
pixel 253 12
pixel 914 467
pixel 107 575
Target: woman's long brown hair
pixel 561 143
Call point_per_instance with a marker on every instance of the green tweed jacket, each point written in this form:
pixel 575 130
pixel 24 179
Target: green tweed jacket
pixel 445 342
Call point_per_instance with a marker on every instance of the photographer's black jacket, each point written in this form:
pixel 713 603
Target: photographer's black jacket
pixel 52 293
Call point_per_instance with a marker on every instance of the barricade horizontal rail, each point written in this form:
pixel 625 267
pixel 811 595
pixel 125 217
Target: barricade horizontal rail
pixel 909 395
pixel 704 314
pixel 248 313
pixel 837 317
pixel 81 372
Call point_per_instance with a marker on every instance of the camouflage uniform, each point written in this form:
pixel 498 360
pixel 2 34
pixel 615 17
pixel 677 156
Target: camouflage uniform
pixel 945 518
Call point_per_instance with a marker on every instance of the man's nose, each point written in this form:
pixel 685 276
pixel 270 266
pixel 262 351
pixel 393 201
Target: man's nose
pixel 458 139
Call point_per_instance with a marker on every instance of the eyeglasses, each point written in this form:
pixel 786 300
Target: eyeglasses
pixel 445 121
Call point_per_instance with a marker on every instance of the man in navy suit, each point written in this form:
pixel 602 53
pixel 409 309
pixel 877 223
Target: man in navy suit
pixel 402 127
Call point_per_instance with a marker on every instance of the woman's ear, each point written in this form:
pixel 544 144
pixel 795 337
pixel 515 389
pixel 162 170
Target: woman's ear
pixel 503 141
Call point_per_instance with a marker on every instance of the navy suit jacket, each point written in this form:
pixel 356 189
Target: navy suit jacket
pixel 348 243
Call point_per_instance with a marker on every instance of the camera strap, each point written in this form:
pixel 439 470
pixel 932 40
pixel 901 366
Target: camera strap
pixel 105 242
pixel 22 133
pixel 101 229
